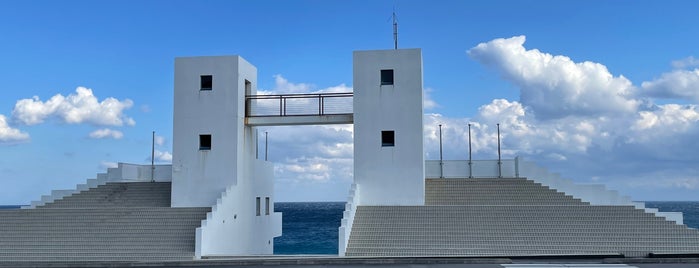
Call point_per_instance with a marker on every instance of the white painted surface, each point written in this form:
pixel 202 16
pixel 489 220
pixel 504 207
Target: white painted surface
pixel 233 227
pixel 227 177
pixel 200 176
pixel 388 175
pixel 595 194
pixel 122 173
pixel 347 220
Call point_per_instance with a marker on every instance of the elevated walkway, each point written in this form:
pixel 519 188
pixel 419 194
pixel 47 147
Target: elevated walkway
pixel 299 109
pixel 112 222
pixel 509 217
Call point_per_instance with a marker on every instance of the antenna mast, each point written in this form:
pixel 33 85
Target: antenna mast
pixel 395 30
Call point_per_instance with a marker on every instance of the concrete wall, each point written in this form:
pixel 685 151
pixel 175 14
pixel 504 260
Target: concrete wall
pixel 200 176
pixel 595 194
pixel 122 173
pixel 388 175
pixel 347 220
pixel 233 226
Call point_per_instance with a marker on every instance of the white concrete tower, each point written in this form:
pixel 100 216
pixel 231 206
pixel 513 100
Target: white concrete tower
pixel 210 140
pixel 389 164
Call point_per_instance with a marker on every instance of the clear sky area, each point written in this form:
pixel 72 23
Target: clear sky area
pixel 598 91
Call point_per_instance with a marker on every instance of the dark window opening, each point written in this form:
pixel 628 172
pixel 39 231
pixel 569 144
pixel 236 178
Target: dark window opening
pixel 248 87
pixel 386 77
pixel 207 82
pixel 388 138
pixel 258 206
pixel 266 205
pixel 205 142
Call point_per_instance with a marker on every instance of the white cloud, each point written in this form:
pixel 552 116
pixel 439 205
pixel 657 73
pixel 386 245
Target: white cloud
pixel 106 133
pixel 678 84
pixel 427 102
pixel 686 62
pixel 107 164
pixel 159 140
pixel 9 135
pixel 80 107
pixel 555 86
pixel 161 156
pixel 575 118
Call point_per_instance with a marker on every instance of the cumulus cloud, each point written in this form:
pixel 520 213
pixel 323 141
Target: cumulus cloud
pixel 317 154
pixel 161 156
pixel 107 164
pixel 686 62
pixel 554 86
pixel 428 102
pixel 159 140
pixel 79 107
pixel 106 133
pixel 10 135
pixel 678 84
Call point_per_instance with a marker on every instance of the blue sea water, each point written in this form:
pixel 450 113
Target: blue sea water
pixel 308 227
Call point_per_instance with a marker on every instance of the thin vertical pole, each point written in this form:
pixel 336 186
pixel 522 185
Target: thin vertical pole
pixel 266 143
pixel 441 161
pixel 470 163
pixel 152 159
pixel 499 158
pixel 395 31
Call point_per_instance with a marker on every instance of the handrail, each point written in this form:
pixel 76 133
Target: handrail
pixel 298 104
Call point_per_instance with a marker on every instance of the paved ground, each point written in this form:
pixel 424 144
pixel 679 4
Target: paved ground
pixel 331 262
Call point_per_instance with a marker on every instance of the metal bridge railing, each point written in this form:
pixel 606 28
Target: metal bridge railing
pixel 298 104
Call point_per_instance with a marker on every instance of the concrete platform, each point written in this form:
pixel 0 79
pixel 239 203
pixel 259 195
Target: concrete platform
pixel 334 261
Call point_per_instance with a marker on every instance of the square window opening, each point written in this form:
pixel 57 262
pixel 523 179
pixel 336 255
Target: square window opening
pixel 387 77
pixel 248 87
pixel 388 138
pixel 206 82
pixel 205 142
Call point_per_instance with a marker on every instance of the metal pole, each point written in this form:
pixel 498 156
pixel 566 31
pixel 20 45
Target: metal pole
pixel 499 158
pixel 266 146
pixel 441 162
pixel 470 163
pixel 152 159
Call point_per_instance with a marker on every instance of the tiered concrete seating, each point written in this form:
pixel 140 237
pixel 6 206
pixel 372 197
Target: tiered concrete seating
pixel 493 192
pixel 113 222
pixel 525 224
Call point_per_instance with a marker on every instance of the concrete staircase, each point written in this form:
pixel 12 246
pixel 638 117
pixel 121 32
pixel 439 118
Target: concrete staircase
pixel 113 222
pixel 511 217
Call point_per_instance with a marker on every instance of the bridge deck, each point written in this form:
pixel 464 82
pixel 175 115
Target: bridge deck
pixel 299 109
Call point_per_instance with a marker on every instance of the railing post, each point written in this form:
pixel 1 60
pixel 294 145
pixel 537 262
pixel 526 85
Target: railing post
pixel 441 161
pixel 320 104
pixel 470 162
pixel 281 106
pixel 499 158
pixel 516 166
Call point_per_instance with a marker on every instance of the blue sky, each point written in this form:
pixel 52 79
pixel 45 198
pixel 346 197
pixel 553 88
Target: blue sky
pixel 600 91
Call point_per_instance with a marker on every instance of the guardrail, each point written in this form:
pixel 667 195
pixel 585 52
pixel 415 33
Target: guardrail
pixel 298 104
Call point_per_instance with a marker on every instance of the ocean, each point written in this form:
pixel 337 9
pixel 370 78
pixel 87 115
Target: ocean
pixel 311 227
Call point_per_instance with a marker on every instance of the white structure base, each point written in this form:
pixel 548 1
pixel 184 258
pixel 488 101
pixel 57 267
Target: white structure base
pixel 237 224
pixel 122 173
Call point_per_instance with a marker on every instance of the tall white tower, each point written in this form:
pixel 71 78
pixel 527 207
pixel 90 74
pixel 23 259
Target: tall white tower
pixel 389 164
pixel 210 140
